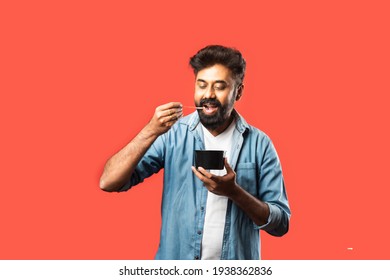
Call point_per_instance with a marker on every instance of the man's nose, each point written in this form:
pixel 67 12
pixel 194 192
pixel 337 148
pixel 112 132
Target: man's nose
pixel 209 93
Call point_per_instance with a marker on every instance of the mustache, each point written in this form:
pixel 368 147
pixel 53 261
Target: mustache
pixel 211 101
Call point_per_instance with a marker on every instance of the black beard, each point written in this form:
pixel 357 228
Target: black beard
pixel 214 121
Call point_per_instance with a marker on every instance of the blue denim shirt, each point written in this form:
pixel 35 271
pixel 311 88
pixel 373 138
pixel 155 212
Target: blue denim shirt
pixel 258 171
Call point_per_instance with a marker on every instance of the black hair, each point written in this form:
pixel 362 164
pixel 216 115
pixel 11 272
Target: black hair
pixel 216 54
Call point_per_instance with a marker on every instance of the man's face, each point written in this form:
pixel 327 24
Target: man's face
pixel 215 91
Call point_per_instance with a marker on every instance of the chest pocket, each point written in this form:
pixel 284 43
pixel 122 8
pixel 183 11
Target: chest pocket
pixel 246 176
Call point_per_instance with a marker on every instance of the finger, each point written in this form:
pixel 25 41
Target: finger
pixel 170 105
pixel 169 112
pixel 170 120
pixel 205 173
pixel 200 175
pixel 227 166
pixel 178 113
pixel 197 173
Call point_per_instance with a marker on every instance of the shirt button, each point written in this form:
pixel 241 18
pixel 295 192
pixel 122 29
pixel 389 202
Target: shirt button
pixel 202 208
pixel 199 232
pixel 196 258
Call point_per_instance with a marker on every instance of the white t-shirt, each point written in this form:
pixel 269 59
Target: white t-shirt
pixel 216 205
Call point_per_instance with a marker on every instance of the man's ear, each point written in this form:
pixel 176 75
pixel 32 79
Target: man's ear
pixel 240 91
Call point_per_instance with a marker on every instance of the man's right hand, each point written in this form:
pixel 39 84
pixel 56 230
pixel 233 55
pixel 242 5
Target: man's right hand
pixel 118 169
pixel 165 117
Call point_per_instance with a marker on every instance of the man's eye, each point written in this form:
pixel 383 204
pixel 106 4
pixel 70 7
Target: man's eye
pixel 202 86
pixel 220 88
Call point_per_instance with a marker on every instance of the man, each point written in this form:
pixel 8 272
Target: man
pixel 208 214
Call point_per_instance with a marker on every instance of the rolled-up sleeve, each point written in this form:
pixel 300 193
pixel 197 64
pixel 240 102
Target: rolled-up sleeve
pixel 150 163
pixel 273 192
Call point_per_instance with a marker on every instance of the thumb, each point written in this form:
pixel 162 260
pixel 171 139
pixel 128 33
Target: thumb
pixel 227 166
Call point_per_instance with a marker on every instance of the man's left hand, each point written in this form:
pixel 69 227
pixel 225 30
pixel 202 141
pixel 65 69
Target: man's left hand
pixel 220 185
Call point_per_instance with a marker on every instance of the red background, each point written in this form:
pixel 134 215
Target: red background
pixel 80 78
